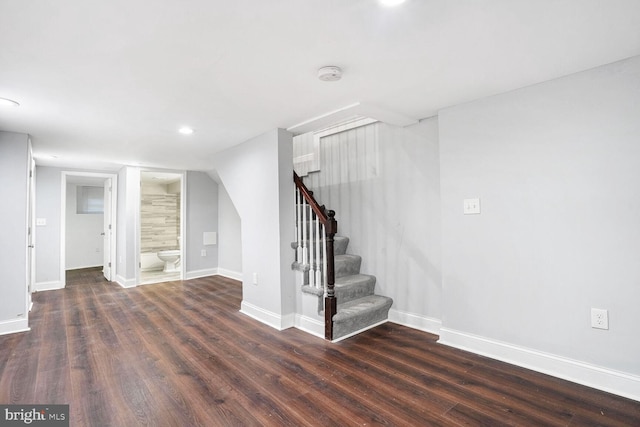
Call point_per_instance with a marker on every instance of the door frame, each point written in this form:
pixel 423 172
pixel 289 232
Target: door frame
pixel 31 224
pixel 113 209
pixel 183 223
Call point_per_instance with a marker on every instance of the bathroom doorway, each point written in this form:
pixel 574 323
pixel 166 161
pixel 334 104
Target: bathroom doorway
pixel 161 239
pixel 88 222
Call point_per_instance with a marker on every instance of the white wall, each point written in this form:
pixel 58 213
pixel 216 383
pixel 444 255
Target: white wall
pixel 84 242
pixel 383 183
pixel 202 216
pixel 557 169
pixel 14 151
pixel 258 177
pixel 229 237
pixel 127 219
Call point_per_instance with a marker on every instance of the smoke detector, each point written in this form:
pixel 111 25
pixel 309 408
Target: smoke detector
pixel 330 73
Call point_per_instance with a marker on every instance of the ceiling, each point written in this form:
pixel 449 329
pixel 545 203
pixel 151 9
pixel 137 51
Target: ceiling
pixel 103 84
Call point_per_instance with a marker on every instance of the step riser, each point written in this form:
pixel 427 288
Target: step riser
pixel 354 293
pixel 347 266
pixel 362 320
pixel 359 287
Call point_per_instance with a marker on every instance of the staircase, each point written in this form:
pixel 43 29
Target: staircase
pixel 357 306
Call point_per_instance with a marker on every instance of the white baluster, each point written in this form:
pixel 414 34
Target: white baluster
pixel 312 276
pixel 324 258
pixel 304 231
pixel 298 196
pixel 317 270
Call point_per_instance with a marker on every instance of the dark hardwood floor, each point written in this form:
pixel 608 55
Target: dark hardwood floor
pixel 180 354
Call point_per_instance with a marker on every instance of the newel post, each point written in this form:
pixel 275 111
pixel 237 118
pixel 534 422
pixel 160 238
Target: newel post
pixel 330 302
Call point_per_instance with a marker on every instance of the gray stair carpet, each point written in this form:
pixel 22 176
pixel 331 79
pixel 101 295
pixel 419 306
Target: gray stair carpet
pixel 359 313
pixel 358 305
pixel 354 286
pixel 346 265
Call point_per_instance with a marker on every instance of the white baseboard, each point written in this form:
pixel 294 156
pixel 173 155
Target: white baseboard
pixel 611 381
pixel 230 274
pixel 125 283
pixel 309 325
pixel 14 325
pixel 267 317
pixel 196 274
pixel 415 321
pixel 48 286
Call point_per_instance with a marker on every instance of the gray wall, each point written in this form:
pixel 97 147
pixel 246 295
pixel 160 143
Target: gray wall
pixel 556 167
pixel 202 216
pixel 229 236
pixel 383 183
pixel 14 152
pixel 48 206
pixel 48 196
pixel 258 177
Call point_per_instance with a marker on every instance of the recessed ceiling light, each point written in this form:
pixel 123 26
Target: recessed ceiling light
pixel 391 2
pixel 185 130
pixel 4 102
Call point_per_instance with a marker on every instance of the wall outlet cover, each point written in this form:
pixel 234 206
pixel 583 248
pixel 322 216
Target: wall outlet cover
pixel 599 318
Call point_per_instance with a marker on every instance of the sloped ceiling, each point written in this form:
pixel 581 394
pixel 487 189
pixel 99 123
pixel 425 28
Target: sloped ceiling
pixel 108 83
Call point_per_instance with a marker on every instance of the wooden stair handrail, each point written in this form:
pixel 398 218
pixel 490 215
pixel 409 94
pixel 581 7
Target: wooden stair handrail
pixel 308 194
pixel 327 218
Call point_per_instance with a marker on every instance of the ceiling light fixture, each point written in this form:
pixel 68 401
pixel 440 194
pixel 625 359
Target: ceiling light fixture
pixel 4 102
pixel 391 2
pixel 185 130
pixel 330 73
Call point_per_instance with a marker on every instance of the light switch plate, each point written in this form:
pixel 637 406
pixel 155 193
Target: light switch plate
pixel 471 206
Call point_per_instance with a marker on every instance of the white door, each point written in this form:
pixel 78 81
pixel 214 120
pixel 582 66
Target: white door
pixel 107 233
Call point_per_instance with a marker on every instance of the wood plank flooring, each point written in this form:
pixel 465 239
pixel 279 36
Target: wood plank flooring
pixel 181 354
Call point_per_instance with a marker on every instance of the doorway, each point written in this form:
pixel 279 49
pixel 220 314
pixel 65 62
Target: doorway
pixel 88 222
pixel 161 238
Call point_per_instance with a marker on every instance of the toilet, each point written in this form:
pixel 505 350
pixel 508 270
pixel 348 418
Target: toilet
pixel 171 259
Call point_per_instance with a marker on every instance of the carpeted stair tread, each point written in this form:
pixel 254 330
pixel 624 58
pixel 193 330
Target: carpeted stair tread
pixel 354 286
pixel 359 314
pixel 347 265
pixel 313 290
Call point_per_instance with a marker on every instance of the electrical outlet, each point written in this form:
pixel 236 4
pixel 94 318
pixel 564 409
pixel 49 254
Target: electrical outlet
pixel 255 278
pixel 599 318
pixel 203 252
